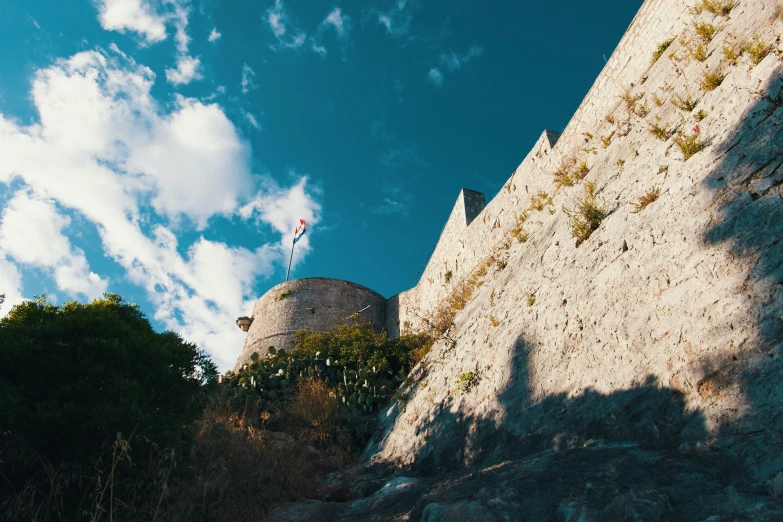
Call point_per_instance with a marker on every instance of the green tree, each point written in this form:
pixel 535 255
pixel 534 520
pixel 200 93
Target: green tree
pixel 73 376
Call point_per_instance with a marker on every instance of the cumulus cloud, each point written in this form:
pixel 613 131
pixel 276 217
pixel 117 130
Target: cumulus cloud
pixel 188 69
pixel 247 83
pixel 137 16
pixel 104 149
pixel 10 284
pixel 31 232
pixel 435 76
pixel 149 22
pixel 214 36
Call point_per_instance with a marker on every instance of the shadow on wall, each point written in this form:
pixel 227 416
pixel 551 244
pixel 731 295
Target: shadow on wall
pixel 748 200
pixel 747 188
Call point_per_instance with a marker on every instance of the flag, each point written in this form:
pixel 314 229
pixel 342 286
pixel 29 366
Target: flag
pixel 300 230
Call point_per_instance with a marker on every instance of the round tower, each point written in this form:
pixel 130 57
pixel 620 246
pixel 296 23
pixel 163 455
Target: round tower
pixel 317 303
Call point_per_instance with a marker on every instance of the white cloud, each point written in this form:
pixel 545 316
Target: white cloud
pixel 10 285
pixel 251 120
pixel 452 62
pixel 287 37
pixel 397 19
pixel 31 232
pixel 247 83
pixel 188 69
pixel 435 76
pixel 214 36
pixel 105 150
pixel 137 16
pixel 340 22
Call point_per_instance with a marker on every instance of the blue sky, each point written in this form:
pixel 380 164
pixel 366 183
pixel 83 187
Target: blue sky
pixel 166 149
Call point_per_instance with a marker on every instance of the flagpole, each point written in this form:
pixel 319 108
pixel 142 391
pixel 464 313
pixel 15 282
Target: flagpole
pixel 290 259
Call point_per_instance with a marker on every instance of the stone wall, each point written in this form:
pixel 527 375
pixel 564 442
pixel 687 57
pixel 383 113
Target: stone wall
pixel 316 303
pixel 665 327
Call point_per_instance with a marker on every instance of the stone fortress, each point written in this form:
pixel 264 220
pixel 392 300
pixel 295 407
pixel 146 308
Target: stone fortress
pixel 663 328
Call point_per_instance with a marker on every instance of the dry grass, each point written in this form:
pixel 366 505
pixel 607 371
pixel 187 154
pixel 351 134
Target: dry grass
pixel 236 468
pixel 607 140
pixel 716 7
pixel 645 199
pixel 756 49
pixel 657 99
pixel 659 132
pixel 705 31
pixel 563 175
pixel 630 100
pixel 684 104
pixel 689 145
pixel 586 217
pixel 541 200
pixel 700 115
pixel 609 119
pixel 662 47
pixel 730 53
pixel 697 51
pixel 712 81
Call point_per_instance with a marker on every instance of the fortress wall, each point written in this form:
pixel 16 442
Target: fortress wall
pixel 656 22
pixel 275 320
pixel 461 247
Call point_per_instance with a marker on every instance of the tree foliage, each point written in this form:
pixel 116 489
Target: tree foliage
pixel 73 376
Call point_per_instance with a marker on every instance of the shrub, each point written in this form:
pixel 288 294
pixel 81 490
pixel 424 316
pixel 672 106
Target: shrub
pixel 716 7
pixel 700 115
pixel 757 49
pixel 541 199
pixel 661 49
pixel 466 382
pixel 684 104
pixel 74 376
pixel 657 99
pixel 705 31
pixel 607 140
pixel 447 276
pixel 730 54
pixel 698 52
pixel 285 293
pixel 711 81
pixel 563 175
pixel 645 199
pixel 493 321
pixel 630 100
pixel 690 145
pixel 659 132
pixel 531 299
pixel 609 119
pixel 585 218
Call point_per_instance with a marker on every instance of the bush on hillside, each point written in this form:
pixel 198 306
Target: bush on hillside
pixel 72 378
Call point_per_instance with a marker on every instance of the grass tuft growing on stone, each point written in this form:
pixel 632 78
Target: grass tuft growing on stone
pixel 645 199
pixel 712 81
pixel 716 7
pixel 684 104
pixel 659 132
pixel 690 145
pixel 661 49
pixel 705 31
pixel 586 217
pixel 757 49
